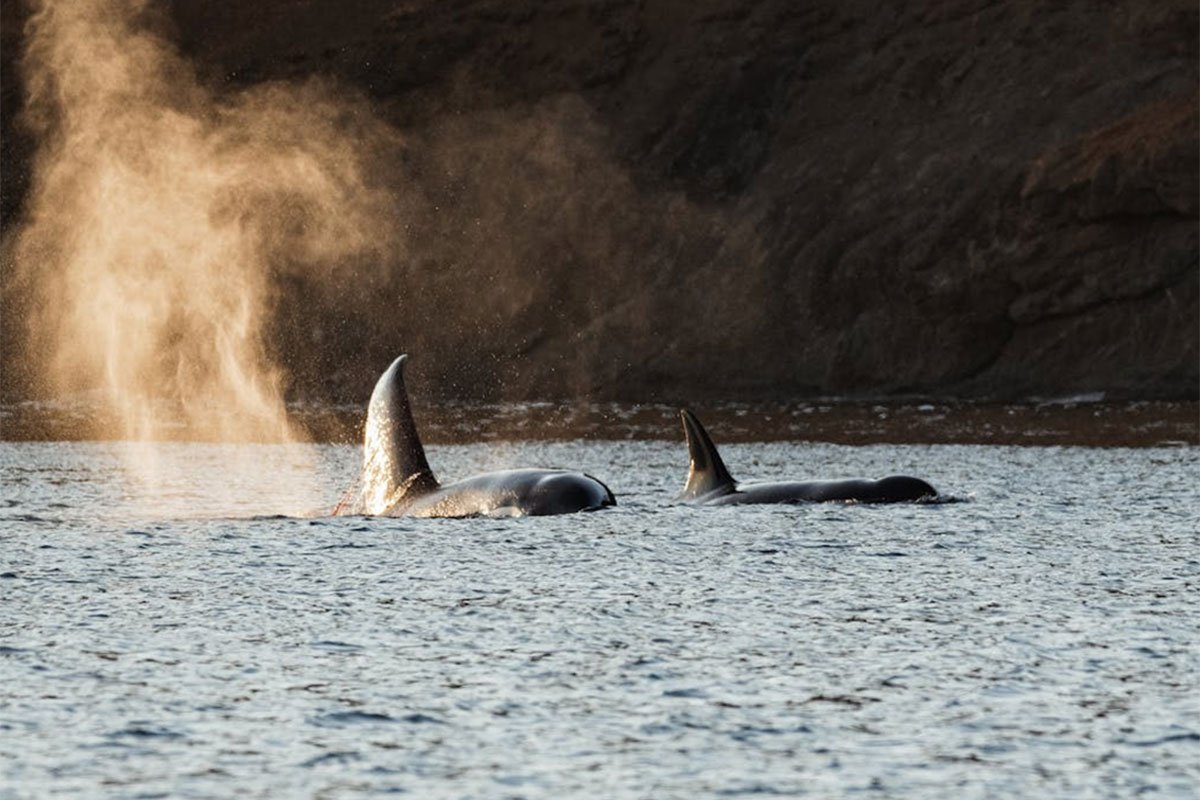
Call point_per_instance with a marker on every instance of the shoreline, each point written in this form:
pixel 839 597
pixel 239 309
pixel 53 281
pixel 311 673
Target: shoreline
pixel 1089 423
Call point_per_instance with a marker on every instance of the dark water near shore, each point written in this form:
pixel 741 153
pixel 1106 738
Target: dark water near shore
pixel 1068 421
pixel 174 623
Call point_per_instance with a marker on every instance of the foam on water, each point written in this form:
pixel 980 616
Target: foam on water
pixel 189 633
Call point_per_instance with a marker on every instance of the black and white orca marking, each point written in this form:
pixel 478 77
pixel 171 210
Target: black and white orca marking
pixel 397 480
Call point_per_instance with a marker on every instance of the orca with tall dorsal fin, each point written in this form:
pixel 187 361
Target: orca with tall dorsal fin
pixel 710 483
pixel 397 480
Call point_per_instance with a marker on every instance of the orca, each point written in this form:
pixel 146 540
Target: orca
pixel 709 482
pixel 397 480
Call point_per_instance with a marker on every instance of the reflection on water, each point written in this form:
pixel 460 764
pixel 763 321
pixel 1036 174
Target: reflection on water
pixel 165 635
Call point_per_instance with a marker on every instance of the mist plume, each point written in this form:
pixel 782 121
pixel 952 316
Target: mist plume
pixel 164 212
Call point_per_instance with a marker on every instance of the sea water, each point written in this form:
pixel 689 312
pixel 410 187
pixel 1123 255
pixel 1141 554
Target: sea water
pixel 187 620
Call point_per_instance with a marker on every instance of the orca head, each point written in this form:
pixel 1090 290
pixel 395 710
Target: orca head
pixel 706 470
pixel 899 488
pixel 394 465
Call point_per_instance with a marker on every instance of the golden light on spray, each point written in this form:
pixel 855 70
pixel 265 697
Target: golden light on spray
pixel 163 213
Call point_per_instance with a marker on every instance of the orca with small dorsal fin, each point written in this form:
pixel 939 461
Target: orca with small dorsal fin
pixel 397 480
pixel 710 483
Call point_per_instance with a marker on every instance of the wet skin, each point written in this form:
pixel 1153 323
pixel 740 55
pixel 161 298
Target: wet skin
pixel 710 483
pixel 397 480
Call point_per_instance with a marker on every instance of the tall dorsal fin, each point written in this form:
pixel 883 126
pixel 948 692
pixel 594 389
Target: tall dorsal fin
pixel 707 472
pixel 394 464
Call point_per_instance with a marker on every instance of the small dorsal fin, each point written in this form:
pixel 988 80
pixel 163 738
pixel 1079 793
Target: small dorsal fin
pixel 707 472
pixel 394 464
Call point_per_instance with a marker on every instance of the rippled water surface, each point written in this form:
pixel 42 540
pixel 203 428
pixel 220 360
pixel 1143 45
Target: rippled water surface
pixel 175 621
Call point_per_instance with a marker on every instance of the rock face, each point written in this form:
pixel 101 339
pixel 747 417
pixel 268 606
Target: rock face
pixel 728 200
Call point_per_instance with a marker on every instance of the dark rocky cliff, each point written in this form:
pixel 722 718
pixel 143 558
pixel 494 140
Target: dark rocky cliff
pixel 659 200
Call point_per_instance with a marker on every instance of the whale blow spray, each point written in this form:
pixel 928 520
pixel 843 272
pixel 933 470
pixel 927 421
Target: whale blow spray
pixel 164 215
